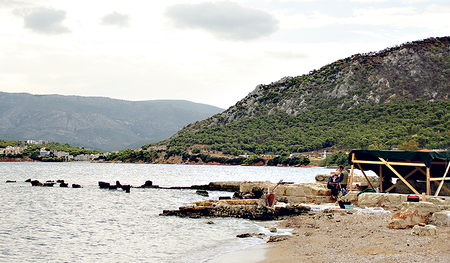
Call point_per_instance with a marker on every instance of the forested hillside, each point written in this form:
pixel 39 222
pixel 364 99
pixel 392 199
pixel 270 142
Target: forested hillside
pixel 376 100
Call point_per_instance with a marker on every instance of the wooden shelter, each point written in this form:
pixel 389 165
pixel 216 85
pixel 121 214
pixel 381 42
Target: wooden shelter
pixel 421 166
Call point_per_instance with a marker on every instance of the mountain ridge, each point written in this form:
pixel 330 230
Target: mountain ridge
pixel 374 77
pixel 95 122
pixel 385 94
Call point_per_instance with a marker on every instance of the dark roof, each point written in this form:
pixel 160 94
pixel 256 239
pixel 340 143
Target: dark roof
pixel 437 161
pixel 413 156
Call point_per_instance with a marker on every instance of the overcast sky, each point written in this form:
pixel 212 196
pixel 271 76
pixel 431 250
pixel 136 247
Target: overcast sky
pixel 212 52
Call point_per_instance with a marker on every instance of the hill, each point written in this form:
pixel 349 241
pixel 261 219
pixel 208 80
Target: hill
pixel 95 122
pixel 376 100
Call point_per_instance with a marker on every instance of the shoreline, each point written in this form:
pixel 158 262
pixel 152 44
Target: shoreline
pixel 253 254
pixel 17 160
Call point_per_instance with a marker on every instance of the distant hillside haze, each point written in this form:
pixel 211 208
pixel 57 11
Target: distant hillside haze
pixel 95 122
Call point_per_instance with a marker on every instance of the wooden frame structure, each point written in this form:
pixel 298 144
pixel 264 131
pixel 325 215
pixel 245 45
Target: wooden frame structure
pixel 408 163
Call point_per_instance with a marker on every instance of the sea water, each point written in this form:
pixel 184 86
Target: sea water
pixel 54 224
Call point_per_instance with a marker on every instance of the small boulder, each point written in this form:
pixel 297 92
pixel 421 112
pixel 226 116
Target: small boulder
pixel 202 192
pixel 441 218
pixel 35 183
pixel 276 238
pixel 147 184
pixel 245 235
pixel 428 230
pixel 126 188
pixel 103 185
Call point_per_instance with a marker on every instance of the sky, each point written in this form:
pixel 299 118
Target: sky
pixel 211 52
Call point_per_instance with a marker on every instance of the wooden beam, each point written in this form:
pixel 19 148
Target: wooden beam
pixel 406 177
pixel 442 182
pixel 368 162
pixel 393 163
pixel 398 175
pixel 428 181
pixel 443 163
pixel 359 165
pixel 440 178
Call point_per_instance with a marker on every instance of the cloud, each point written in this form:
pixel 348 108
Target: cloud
pixel 116 19
pixel 44 20
pixel 224 20
pixel 286 55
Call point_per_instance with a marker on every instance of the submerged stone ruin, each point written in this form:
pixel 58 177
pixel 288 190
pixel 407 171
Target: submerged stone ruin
pixel 297 199
pixel 247 208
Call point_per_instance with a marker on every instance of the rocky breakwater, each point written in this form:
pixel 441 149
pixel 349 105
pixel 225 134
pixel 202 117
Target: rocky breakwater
pixel 247 208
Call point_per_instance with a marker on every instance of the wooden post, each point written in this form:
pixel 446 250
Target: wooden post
pixel 381 178
pixel 428 181
pixel 351 172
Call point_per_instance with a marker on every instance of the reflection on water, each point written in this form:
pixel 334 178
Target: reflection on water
pixel 54 224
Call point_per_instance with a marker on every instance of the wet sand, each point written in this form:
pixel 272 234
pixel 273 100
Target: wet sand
pixel 251 255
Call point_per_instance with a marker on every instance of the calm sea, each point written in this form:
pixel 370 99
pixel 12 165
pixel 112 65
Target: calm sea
pixel 53 224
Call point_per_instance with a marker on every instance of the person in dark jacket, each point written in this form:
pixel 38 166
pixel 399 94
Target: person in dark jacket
pixel 333 185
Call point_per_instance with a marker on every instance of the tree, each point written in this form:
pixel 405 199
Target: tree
pixel 410 145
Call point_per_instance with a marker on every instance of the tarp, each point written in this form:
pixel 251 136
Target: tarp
pixel 426 157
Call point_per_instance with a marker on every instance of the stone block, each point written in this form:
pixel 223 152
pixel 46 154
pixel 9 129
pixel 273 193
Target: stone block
pixel 307 189
pixel 441 218
pixel 296 190
pixel 428 230
pixel 411 214
pixel 396 199
pixel 351 196
pixel 371 199
pixel 249 187
pixel 319 199
pixel 293 199
pixel 435 200
pixel 232 186
pixel 389 201
pixel 280 190
pixel 421 208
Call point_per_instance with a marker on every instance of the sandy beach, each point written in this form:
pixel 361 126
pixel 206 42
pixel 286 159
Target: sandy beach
pixel 356 237
pixel 346 236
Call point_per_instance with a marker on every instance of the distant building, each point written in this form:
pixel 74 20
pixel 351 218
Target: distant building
pixel 83 158
pixel 44 152
pixel 61 154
